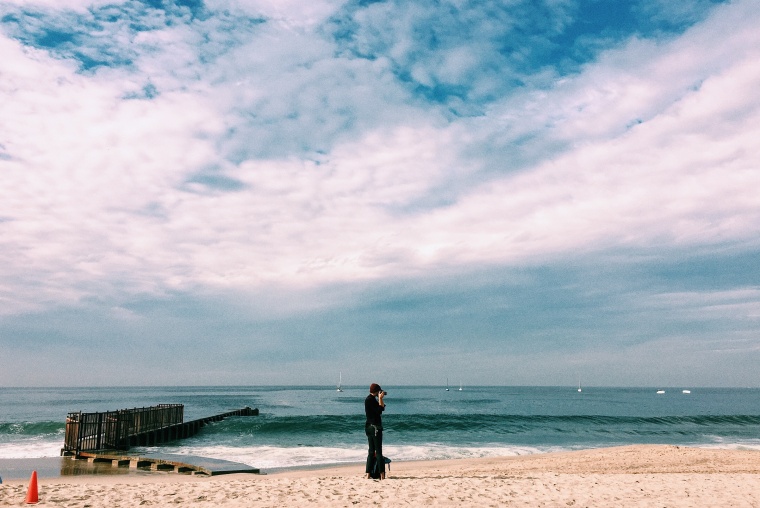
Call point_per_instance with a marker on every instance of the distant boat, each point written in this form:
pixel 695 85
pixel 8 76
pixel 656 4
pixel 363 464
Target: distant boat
pixel 579 386
pixel 686 391
pixel 447 384
pixel 340 381
pixel 460 386
pixel 660 392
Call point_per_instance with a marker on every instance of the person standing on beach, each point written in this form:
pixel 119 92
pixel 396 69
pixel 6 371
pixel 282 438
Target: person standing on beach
pixel 373 427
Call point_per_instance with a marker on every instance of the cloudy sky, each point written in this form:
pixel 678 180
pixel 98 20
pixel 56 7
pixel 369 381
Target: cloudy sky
pixel 278 191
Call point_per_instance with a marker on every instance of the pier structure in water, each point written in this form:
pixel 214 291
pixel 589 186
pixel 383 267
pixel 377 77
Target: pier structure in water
pixel 103 436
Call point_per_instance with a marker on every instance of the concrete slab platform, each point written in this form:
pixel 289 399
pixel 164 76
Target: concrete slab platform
pixel 192 464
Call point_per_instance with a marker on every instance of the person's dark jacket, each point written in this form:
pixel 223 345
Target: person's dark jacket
pixel 374 411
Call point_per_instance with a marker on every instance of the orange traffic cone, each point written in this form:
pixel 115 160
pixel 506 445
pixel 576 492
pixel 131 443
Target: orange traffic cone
pixel 31 495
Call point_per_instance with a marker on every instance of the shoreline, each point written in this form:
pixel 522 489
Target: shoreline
pixel 644 475
pixel 63 468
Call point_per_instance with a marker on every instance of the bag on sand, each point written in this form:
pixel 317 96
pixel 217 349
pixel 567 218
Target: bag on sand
pixel 375 469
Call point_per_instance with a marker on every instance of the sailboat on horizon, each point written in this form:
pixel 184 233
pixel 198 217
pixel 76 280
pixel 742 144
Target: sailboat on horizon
pixel 447 384
pixel 340 381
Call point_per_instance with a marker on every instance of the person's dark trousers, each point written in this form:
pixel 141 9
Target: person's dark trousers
pixel 375 441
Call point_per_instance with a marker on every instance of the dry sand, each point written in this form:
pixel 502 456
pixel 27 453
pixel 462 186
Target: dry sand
pixel 642 475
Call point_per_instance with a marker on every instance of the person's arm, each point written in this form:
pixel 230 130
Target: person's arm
pixel 380 400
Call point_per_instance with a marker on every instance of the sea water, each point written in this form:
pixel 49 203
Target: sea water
pixel 304 426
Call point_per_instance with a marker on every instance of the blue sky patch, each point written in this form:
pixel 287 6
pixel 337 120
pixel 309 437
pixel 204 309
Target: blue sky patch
pixel 507 43
pixel 104 36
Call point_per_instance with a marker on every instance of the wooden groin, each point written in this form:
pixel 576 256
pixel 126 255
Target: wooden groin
pixel 183 430
pixel 146 426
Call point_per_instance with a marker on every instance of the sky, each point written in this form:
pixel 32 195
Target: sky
pixel 262 192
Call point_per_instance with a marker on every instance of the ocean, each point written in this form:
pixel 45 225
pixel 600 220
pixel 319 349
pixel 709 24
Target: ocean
pixel 308 426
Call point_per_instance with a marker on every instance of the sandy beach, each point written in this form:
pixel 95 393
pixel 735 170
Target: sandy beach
pixel 641 475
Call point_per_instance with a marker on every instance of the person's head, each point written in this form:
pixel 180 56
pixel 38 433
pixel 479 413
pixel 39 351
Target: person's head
pixel 374 389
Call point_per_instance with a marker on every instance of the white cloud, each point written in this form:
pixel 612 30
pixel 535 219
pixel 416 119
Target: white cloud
pixel 736 305
pixel 291 14
pixel 359 184
pixel 82 162
pixel 76 5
